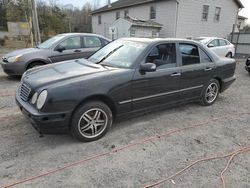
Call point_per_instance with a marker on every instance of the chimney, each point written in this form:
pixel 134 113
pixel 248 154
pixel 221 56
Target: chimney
pixel 109 3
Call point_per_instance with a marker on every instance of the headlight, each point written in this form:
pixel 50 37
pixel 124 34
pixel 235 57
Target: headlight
pixel 41 99
pixel 34 98
pixel 14 59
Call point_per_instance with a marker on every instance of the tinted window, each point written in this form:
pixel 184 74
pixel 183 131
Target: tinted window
pixel 223 43
pixel 164 56
pixel 190 54
pixel 215 43
pixel 92 42
pixel 72 43
pixel 204 57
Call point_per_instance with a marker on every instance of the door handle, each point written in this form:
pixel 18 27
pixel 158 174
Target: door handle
pixel 176 74
pixel 208 69
pixel 77 51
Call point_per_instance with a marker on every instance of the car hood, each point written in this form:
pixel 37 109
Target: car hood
pixel 23 52
pixel 48 74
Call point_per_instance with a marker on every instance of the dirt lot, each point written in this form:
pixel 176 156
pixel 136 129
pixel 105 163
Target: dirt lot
pixel 23 154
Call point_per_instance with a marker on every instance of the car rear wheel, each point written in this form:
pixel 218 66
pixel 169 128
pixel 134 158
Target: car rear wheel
pixel 91 121
pixel 229 55
pixel 210 93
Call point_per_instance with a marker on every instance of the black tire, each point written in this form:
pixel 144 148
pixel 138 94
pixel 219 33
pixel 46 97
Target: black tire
pixel 229 55
pixel 35 64
pixel 207 97
pixel 84 122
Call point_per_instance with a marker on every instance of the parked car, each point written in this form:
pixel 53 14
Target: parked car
pixel 58 48
pixel 248 65
pixel 125 77
pixel 220 46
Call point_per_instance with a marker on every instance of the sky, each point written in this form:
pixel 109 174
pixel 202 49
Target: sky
pixel 79 3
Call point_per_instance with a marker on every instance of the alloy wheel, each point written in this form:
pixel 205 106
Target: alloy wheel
pixel 212 93
pixel 92 123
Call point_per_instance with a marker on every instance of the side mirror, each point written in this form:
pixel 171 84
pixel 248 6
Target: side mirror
pixel 148 67
pixel 60 48
pixel 210 45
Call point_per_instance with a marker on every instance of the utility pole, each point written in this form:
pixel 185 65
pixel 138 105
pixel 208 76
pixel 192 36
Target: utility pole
pixel 35 23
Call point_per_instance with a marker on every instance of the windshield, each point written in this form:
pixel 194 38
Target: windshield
pixel 50 42
pixel 119 53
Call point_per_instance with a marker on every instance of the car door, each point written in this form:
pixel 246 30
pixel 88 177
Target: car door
pixel 72 49
pixel 160 87
pixel 224 47
pixel 196 70
pixel 91 45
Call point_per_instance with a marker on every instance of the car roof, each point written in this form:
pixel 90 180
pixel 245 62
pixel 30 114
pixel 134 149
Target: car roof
pixel 82 34
pixel 155 40
pixel 211 38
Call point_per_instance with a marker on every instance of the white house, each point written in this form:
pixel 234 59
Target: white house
pixel 133 27
pixel 242 22
pixel 179 18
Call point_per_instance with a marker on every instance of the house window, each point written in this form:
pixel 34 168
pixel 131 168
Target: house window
pixel 152 12
pixel 117 15
pixel 99 19
pixel 154 34
pixel 126 13
pixel 205 13
pixel 132 32
pixel 217 14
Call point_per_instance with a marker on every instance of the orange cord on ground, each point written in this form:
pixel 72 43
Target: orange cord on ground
pixel 6 94
pixel 231 155
pixel 140 142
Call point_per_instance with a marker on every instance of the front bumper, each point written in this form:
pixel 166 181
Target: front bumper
pixel 226 83
pixel 45 123
pixel 13 69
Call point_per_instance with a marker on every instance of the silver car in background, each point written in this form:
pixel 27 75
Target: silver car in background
pixel 220 46
pixel 59 48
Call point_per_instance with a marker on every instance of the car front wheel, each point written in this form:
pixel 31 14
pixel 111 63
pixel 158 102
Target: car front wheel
pixel 210 93
pixel 91 121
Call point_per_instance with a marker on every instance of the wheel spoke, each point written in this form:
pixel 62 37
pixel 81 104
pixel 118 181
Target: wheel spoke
pixel 87 118
pixel 97 115
pixel 86 127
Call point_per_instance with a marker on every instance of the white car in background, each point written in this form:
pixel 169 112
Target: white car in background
pixel 220 46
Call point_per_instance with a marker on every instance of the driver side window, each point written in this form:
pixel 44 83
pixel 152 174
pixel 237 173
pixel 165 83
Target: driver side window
pixel 71 43
pixel 163 56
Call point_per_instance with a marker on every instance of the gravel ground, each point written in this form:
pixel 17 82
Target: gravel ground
pixel 24 154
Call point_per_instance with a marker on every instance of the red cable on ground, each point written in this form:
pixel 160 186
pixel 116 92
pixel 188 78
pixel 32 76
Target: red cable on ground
pixel 228 163
pixel 6 94
pixel 139 142
pixel 233 154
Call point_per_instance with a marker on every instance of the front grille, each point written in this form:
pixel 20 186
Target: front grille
pixel 25 92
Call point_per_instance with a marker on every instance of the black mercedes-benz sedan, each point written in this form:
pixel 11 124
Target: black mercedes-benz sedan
pixel 125 77
pixel 248 65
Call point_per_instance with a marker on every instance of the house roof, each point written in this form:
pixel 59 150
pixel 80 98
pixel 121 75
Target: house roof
pixel 129 3
pixel 242 17
pixel 142 23
pixel 122 4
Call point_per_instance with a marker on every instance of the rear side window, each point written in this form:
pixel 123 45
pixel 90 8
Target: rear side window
pixel 223 43
pixel 92 42
pixel 204 58
pixel 189 54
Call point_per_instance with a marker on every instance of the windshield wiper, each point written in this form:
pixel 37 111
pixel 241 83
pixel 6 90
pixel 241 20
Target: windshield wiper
pixel 109 54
